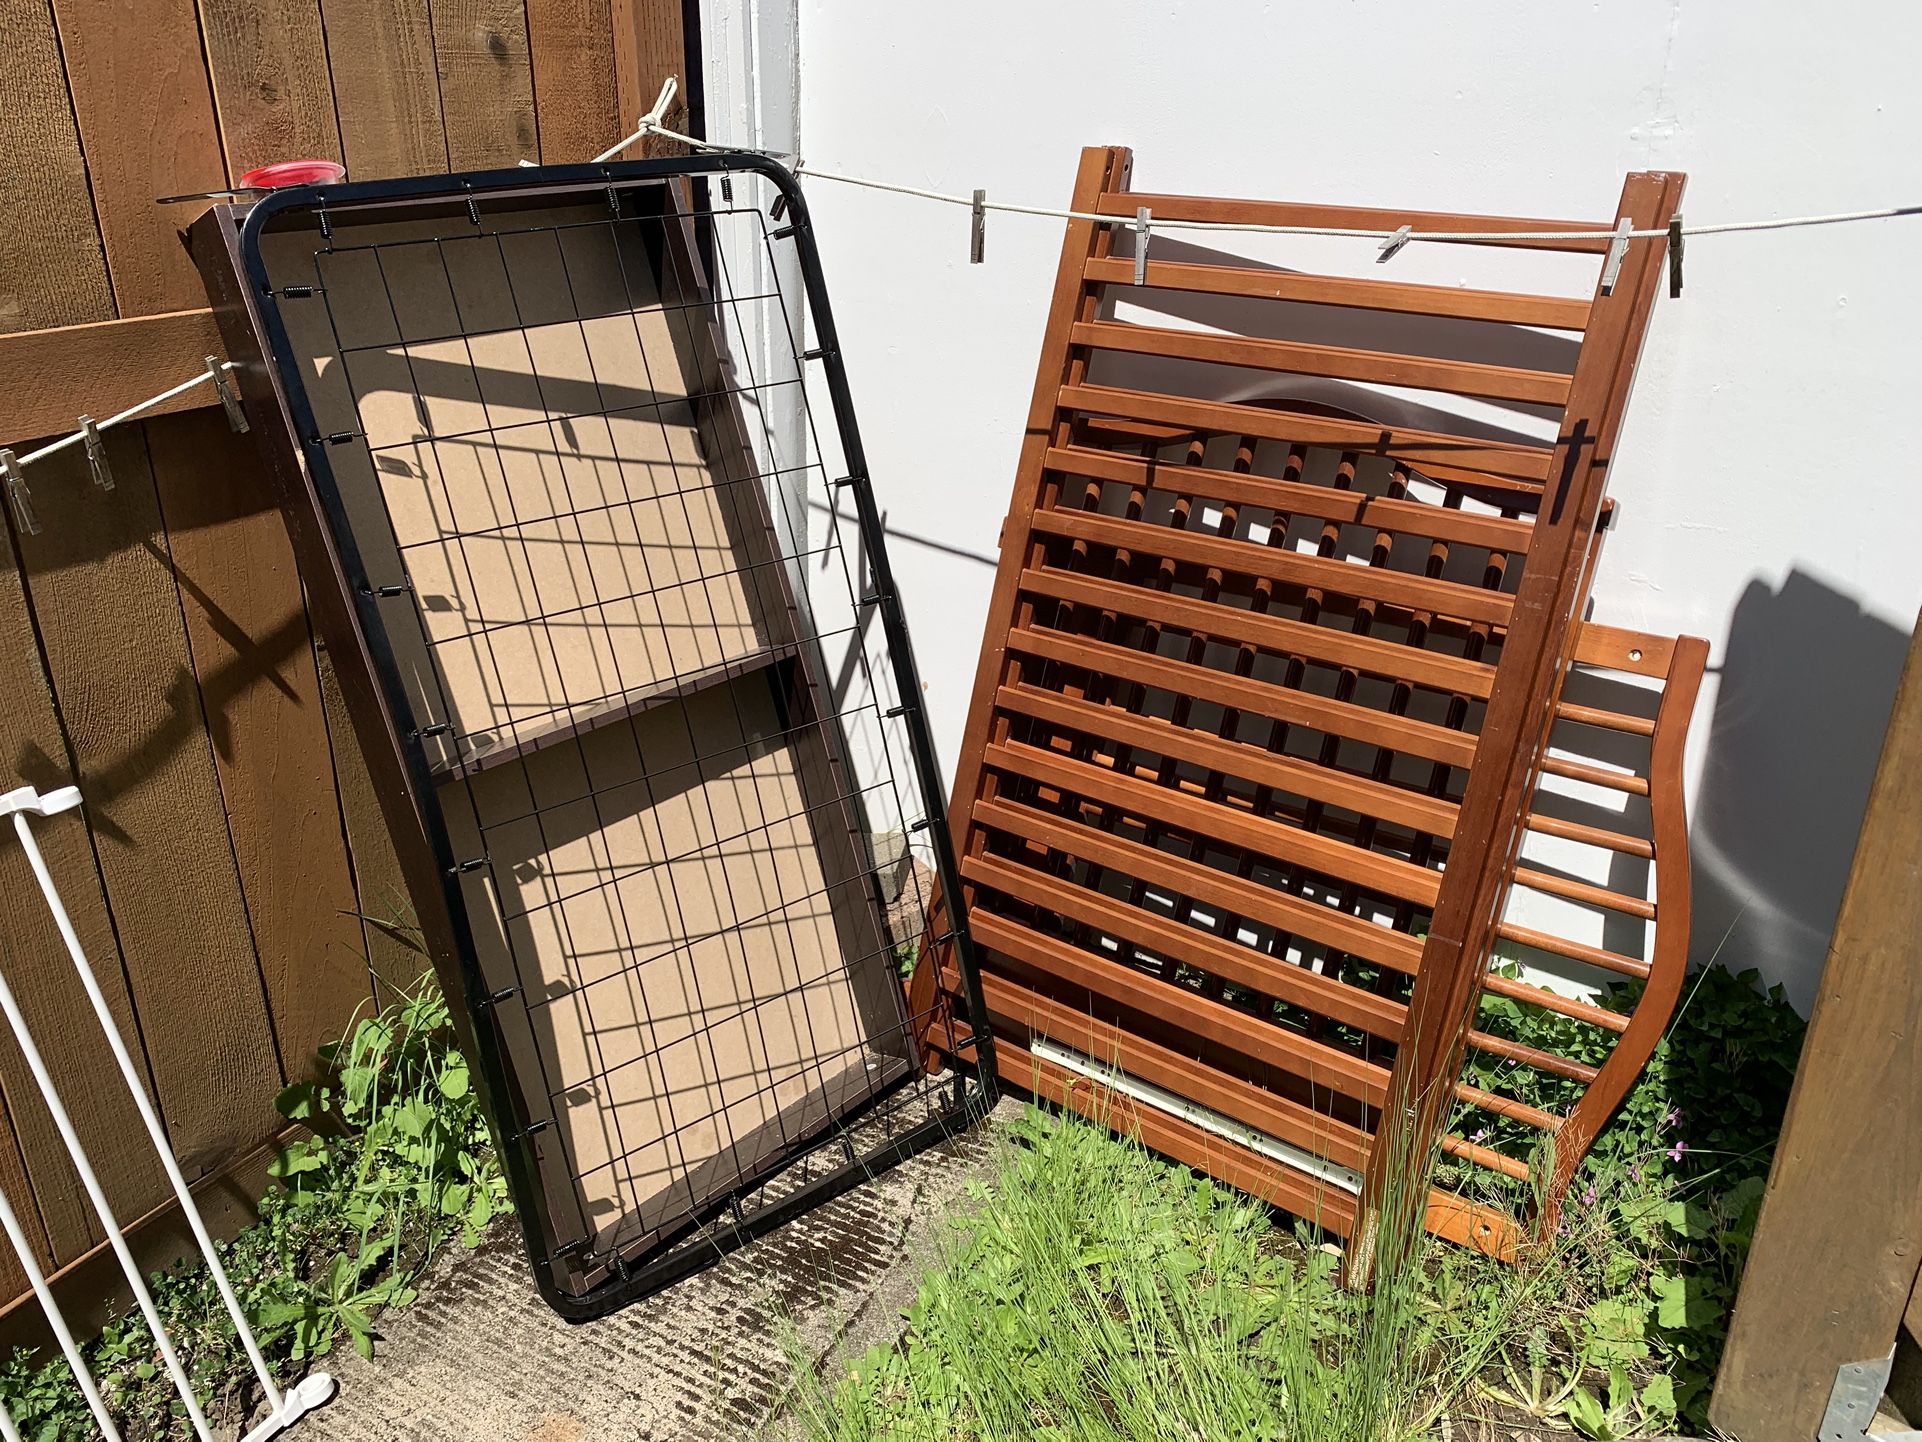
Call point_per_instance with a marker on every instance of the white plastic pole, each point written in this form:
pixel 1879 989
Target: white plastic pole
pixel 283 1409
pixel 38 1280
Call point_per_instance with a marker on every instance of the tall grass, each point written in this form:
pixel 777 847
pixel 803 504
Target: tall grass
pixel 1097 1294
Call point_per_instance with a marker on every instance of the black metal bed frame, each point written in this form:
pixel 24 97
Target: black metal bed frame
pixel 227 245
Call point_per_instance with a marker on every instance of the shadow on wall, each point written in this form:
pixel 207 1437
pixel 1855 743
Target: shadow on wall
pixel 1807 684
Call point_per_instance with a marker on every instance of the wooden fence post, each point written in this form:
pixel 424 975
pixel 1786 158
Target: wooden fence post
pixel 1834 1262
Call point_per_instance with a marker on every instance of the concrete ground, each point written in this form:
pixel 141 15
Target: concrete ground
pixel 480 1358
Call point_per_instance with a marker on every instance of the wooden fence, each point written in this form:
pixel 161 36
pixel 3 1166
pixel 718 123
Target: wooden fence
pixel 154 642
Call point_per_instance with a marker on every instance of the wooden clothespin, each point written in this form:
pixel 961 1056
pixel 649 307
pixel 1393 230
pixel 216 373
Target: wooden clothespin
pixel 1675 256
pixel 1140 228
pixel 18 495
pixel 978 228
pixel 1617 252
pixel 96 454
pixel 236 417
pixel 1391 247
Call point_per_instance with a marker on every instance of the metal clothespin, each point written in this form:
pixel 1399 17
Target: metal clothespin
pixel 1675 256
pixel 96 454
pixel 978 228
pixel 1617 252
pixel 1391 247
pixel 18 494
pixel 1140 228
pixel 236 417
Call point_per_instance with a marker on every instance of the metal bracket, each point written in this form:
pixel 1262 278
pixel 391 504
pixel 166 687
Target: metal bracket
pixel 1617 252
pixel 1852 1402
pixel 18 495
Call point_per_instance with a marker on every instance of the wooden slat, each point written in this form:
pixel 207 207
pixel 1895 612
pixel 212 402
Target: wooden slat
pixel 1548 1000
pixel 1379 799
pixel 109 614
pixel 53 271
pixel 1595 775
pixel 1606 719
pixel 1294 498
pixel 1482 1157
pixel 1386 368
pixel 1319 1065
pixel 267 64
pixel 486 83
pixel 1352 217
pixel 1274 1182
pixel 1550 311
pixel 1591 835
pixel 1013 1005
pixel 146 116
pixel 54 376
pixel 1530 1056
pixel 1507 1107
pixel 573 79
pixel 381 57
pixel 1571 890
pixel 1234 963
pixel 1261 698
pixel 253 660
pixel 1274 633
pixel 1263 905
pixel 1428 450
pixel 1622 650
pixel 1574 950
pixel 1291 844
pixel 1249 558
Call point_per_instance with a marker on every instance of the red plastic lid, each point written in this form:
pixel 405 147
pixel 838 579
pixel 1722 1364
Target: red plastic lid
pixel 292 172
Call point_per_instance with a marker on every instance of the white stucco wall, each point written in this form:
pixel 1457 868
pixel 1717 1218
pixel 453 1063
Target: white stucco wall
pixel 1770 498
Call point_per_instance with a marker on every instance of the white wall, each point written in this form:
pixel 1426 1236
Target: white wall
pixel 1769 497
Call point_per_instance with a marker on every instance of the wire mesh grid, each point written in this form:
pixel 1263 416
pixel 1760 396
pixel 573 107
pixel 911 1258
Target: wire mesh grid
pixel 638 634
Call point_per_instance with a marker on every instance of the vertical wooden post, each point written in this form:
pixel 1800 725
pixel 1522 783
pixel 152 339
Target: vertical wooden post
pixel 1527 682
pixel 649 46
pixel 1834 1263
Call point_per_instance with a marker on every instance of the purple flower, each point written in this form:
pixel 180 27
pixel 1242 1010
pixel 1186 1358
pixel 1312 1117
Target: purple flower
pixel 1480 1136
pixel 1635 1171
pixel 1588 1197
pixel 1675 1152
pixel 1673 1119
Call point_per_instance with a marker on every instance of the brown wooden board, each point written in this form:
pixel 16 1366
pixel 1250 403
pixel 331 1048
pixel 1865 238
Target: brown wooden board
pixel 1260 594
pixel 1833 1267
pixel 636 831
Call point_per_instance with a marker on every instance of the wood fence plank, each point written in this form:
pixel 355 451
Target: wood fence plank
pixel 48 1196
pixel 140 93
pixel 379 889
pixel 1834 1259
pixel 649 46
pixel 253 655
pixel 381 57
pixel 116 647
pixel 486 83
pixel 52 268
pixel 573 79
pixel 54 376
pixel 268 63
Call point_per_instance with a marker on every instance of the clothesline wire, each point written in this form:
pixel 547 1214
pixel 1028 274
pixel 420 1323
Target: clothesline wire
pixel 651 125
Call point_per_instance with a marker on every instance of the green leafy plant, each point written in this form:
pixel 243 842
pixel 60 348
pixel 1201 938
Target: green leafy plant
pixel 397 1164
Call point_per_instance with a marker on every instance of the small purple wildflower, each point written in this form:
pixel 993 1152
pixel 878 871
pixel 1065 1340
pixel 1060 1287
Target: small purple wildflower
pixel 1675 1152
pixel 1588 1197
pixel 1673 1119
pixel 1480 1136
pixel 1635 1171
